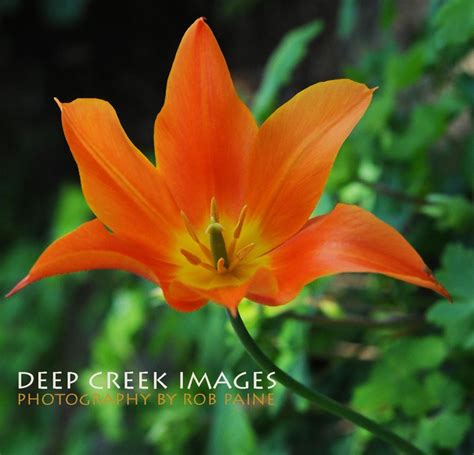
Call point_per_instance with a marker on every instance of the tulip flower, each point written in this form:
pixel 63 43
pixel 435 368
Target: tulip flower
pixel 225 212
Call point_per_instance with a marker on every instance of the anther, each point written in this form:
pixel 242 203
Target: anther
pixel 193 235
pixel 194 260
pixel 189 227
pixel 237 230
pixel 241 254
pixel 221 266
pixel 244 252
pixel 240 222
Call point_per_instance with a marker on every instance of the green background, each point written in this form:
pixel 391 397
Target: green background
pixel 394 352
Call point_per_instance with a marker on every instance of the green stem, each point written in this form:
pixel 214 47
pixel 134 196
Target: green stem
pixel 324 402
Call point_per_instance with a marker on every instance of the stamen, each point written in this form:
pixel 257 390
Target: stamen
pixel 244 252
pixel 231 248
pixel 223 259
pixel 208 267
pixel 194 260
pixel 237 230
pixel 193 235
pixel 189 227
pixel 241 254
pixel 214 212
pixel 221 266
pixel 240 222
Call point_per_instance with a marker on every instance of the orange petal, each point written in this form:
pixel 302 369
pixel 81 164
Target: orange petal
pixel 294 152
pixel 204 132
pixel 92 247
pixel 228 296
pixel 182 298
pixel 124 190
pixel 349 239
pixel 88 247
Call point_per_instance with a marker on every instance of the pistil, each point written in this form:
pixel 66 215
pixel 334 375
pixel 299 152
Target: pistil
pixel 221 259
pixel 216 239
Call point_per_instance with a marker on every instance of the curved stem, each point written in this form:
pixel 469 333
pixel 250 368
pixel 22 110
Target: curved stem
pixel 322 401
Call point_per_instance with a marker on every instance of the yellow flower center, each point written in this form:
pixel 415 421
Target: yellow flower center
pixel 220 254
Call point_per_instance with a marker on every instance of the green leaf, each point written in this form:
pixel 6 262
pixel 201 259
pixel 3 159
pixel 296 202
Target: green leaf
pixel 456 319
pixel 358 193
pixel 412 397
pixel 71 211
pixel 210 352
pixel 405 69
pixel 281 65
pixel 387 13
pixel 468 163
pixel 394 383
pixel 376 397
pixel 115 344
pixel 446 430
pixel 426 124
pixel 465 86
pixel 454 23
pixel 231 431
pixel 163 424
pixel 376 118
pixel 347 18
pixel 450 212
pixel 443 391
pixel 292 359
pixel 416 353
pixel 457 265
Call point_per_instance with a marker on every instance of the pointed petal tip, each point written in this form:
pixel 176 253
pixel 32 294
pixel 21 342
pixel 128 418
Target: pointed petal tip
pixel 199 25
pixel 437 286
pixel 233 310
pixel 19 286
pixel 58 103
pixel 440 289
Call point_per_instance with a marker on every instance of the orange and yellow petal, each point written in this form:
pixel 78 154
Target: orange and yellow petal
pixel 229 293
pixel 204 132
pixel 92 247
pixel 124 190
pixel 89 247
pixel 348 239
pixel 294 153
pixel 182 298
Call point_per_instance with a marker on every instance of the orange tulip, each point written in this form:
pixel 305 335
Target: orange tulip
pixel 224 213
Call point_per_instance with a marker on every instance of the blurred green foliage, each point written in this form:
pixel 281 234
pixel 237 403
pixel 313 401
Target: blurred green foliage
pixel 279 69
pixel 394 352
pixel 54 12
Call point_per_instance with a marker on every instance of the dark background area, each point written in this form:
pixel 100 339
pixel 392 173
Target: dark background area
pixel 122 53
